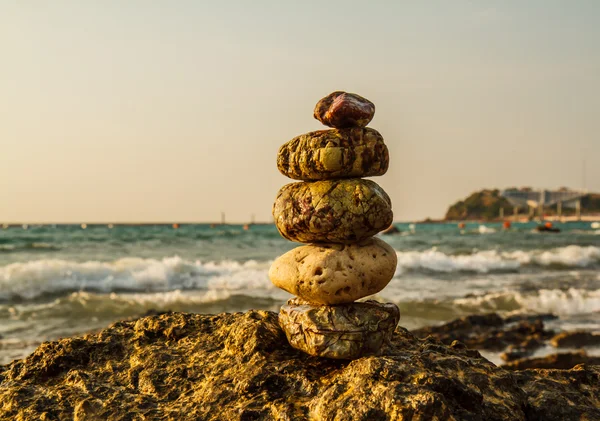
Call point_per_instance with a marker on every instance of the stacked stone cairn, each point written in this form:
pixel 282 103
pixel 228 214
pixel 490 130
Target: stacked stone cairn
pixel 336 213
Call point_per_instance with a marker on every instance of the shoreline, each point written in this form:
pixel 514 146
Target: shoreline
pixel 503 339
pixel 511 218
pixel 240 366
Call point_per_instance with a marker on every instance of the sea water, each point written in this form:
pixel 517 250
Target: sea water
pixel 59 281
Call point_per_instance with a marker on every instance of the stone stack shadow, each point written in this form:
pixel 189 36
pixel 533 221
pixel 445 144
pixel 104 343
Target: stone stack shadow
pixel 337 213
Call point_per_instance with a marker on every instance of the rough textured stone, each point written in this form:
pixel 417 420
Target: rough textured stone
pixel 575 339
pixel 341 109
pixel 491 332
pixel 240 367
pixel 332 211
pixel 513 354
pixel 564 360
pixel 529 318
pixel 556 395
pixel 328 154
pixel 335 273
pixel 346 331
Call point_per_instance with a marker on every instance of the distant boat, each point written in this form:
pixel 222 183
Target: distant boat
pixel 175 226
pixel 83 226
pixel 110 226
pixel 547 227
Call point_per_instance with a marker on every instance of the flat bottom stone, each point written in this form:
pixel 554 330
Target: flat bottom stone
pixel 345 331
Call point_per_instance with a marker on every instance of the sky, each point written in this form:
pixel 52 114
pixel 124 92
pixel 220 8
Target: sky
pixel 144 111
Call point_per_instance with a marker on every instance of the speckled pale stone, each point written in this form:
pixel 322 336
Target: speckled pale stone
pixel 336 153
pixel 342 109
pixel 335 273
pixel 345 331
pixel 332 211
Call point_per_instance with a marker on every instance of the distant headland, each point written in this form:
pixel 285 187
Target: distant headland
pixel 526 203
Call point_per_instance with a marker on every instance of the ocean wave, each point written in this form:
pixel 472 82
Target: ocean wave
pixel 101 307
pixel 482 229
pixel 34 246
pixel 487 261
pixel 45 277
pixel 436 261
pixel 36 278
pixel 569 302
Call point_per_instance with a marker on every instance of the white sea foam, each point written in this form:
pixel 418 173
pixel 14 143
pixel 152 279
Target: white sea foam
pixel 38 277
pixel 53 276
pixel 572 301
pixel 570 256
pixel 494 261
pixel 436 261
pixel 562 302
pixel 485 230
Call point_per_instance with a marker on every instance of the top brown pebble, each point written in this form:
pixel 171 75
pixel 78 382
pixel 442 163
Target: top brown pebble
pixel 342 110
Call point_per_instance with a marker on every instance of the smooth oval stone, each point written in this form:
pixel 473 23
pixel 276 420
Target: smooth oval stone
pixel 345 331
pixel 341 109
pixel 332 211
pixel 337 153
pixel 335 273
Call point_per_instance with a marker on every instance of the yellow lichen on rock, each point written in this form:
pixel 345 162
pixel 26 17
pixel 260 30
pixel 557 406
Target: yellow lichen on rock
pixel 330 154
pixel 334 211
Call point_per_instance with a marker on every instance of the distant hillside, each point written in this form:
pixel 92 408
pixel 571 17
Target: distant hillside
pixel 485 205
pixel 481 205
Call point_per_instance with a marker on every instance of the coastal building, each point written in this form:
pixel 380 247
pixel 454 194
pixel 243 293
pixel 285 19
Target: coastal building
pixel 539 199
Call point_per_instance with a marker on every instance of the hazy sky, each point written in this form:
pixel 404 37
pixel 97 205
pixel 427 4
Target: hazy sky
pixel 155 110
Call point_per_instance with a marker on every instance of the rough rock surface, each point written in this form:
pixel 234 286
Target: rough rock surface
pixel 335 273
pixel 491 332
pixel 575 339
pixel 341 109
pixel 563 360
pixel 561 394
pixel 332 211
pixel 520 336
pixel 240 367
pixel 328 154
pixel 347 331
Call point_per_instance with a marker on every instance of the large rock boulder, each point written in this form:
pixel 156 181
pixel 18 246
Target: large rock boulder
pixel 346 331
pixel 342 109
pixel 335 273
pixel 576 339
pixel 492 332
pixel 332 211
pixel 240 367
pixel 330 154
